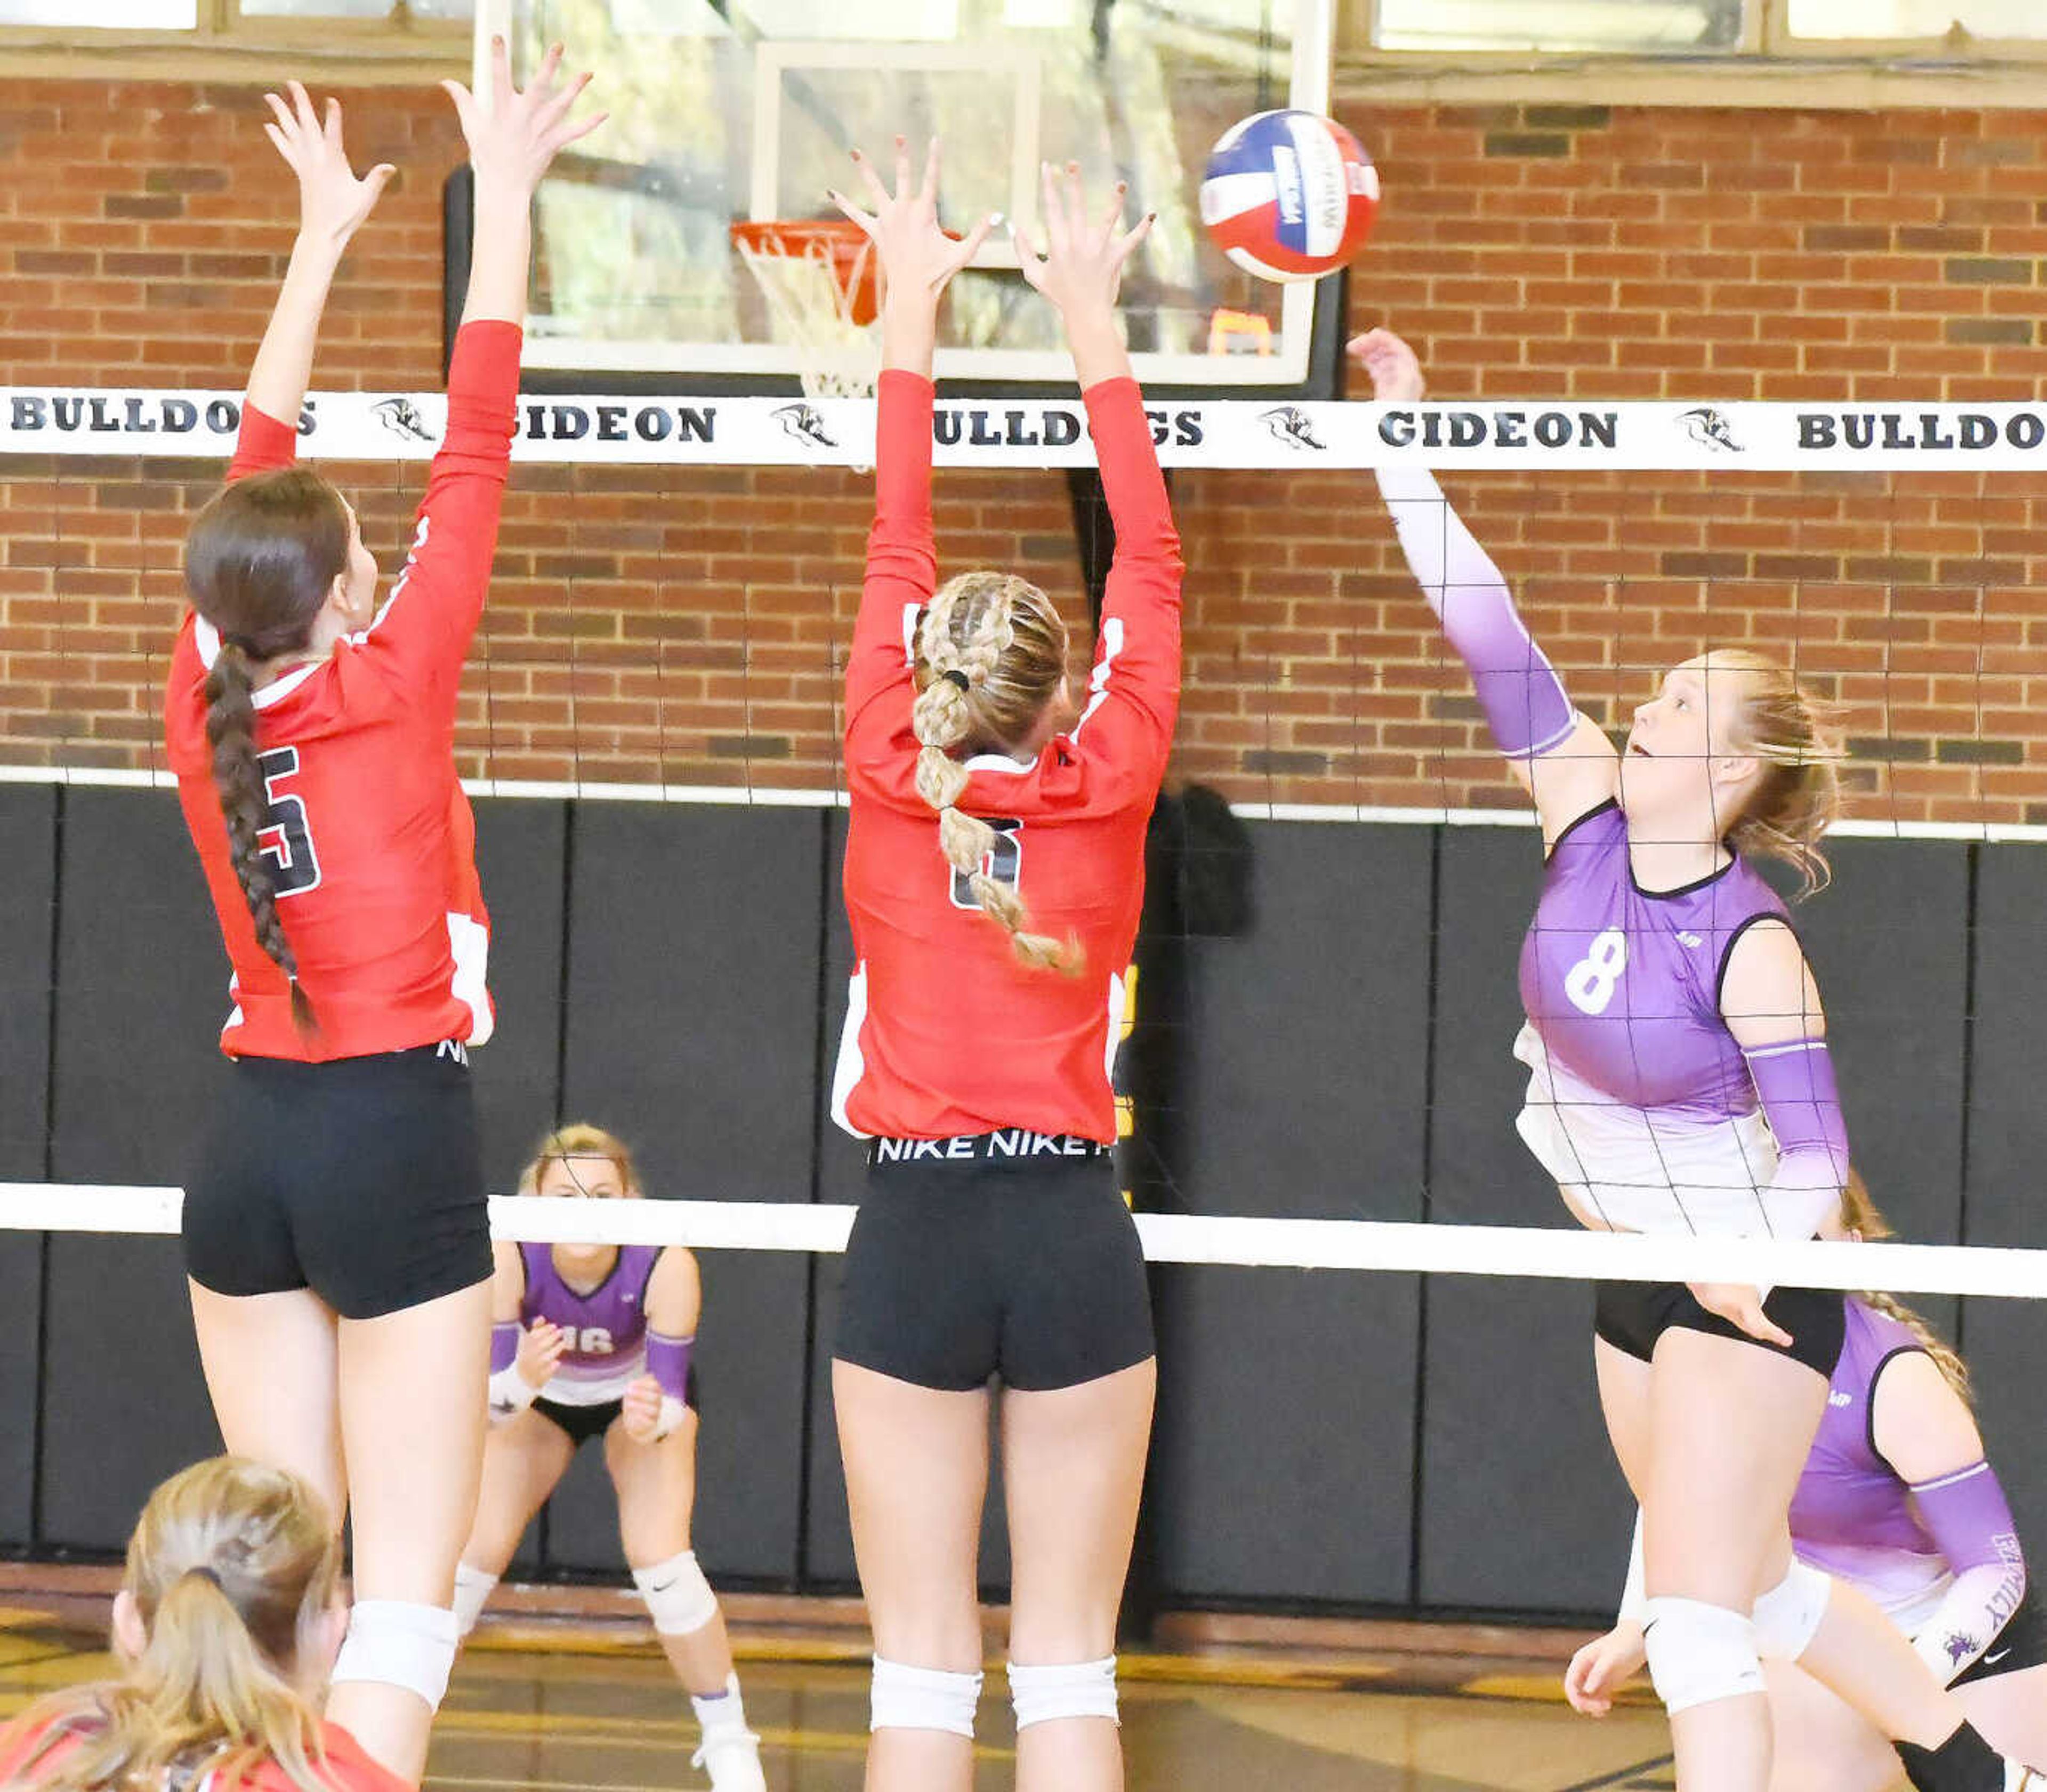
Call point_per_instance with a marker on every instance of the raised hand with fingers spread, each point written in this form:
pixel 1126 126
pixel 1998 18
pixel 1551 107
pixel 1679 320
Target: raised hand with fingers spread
pixel 513 142
pixel 918 257
pixel 1082 269
pixel 333 201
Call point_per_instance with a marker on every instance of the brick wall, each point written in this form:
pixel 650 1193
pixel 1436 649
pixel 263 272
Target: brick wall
pixel 682 626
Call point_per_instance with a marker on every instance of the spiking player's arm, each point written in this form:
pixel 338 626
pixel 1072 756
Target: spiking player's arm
pixel 1560 757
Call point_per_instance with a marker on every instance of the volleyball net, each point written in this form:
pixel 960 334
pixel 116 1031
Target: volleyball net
pixel 1316 1073
pixel 674 588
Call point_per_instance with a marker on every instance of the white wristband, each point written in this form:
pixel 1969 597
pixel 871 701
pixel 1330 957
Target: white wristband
pixel 511 1393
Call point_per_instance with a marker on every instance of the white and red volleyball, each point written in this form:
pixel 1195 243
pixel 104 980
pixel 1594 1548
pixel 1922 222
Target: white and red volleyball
pixel 1289 195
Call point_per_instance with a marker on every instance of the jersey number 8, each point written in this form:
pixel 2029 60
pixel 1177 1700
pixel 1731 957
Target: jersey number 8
pixel 286 837
pixel 1590 983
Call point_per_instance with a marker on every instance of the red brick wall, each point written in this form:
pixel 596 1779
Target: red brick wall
pixel 682 626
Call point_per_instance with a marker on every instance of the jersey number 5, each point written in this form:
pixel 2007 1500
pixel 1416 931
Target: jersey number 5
pixel 286 839
pixel 1004 863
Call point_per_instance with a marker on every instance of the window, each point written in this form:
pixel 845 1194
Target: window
pixel 1644 26
pixel 109 15
pixel 1915 20
pixel 217 20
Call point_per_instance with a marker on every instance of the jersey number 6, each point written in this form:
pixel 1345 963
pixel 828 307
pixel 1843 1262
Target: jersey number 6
pixel 286 839
pixel 1004 863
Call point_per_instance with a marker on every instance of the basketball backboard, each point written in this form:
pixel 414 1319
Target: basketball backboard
pixel 723 111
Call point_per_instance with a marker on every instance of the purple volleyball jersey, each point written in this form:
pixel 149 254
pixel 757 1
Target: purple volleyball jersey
pixel 1851 1516
pixel 1622 985
pixel 606 1328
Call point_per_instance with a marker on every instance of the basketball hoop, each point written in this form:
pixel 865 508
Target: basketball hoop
pixel 818 278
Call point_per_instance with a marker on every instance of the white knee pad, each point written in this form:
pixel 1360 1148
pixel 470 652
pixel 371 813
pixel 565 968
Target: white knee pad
pixel 472 1591
pixel 1699 1653
pixel 1788 1617
pixel 923 1699
pixel 397 1643
pixel 1072 1690
pixel 679 1598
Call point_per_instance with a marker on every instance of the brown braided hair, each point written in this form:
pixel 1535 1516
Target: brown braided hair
pixel 260 562
pixel 991 651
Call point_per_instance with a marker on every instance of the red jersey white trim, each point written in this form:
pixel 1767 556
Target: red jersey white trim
pixel 946 1033
pixel 371 837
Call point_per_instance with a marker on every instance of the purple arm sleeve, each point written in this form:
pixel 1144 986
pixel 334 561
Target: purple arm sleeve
pixel 1794 1081
pixel 504 1345
pixel 1968 1515
pixel 1516 686
pixel 668 1362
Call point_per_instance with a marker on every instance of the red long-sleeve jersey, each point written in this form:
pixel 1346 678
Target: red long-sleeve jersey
pixel 368 835
pixel 947 1032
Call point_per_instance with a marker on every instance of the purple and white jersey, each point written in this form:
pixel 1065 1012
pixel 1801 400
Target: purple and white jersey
pixel 1640 1103
pixel 606 1328
pixel 1852 1515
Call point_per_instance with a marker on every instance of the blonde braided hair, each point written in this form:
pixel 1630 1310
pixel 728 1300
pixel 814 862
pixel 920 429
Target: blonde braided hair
pixel 991 651
pixel 1796 737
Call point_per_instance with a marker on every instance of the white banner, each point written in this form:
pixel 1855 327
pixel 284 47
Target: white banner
pixel 1631 437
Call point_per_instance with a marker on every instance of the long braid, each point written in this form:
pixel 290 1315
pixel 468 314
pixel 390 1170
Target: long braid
pixel 230 729
pixel 942 717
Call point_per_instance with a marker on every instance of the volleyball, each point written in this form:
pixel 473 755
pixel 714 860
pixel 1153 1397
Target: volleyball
pixel 1289 195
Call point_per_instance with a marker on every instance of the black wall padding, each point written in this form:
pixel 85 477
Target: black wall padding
pixel 142 991
pixel 695 940
pixel 1522 1505
pixel 28 849
pixel 842 1176
pixel 520 845
pixel 1283 1457
pixel 2006 1341
pixel 521 849
pixel 1888 941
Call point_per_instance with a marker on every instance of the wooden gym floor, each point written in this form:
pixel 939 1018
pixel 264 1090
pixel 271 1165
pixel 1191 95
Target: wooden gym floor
pixel 582 1703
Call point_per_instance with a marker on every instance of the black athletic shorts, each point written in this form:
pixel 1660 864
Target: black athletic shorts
pixel 359 1179
pixel 579 1423
pixel 2022 1643
pixel 965 1268
pixel 1631 1316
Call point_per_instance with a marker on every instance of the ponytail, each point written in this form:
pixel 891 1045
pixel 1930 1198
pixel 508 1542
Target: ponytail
pixel 210 1695
pixel 230 729
pixel 982 608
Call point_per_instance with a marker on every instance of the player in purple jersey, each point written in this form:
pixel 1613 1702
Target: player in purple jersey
pixel 1897 1499
pixel 1680 1081
pixel 593 1340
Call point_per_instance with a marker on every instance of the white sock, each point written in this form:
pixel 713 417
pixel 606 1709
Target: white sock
pixel 721 1711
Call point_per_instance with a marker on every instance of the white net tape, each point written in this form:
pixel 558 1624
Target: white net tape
pixel 1051 429
pixel 1185 1238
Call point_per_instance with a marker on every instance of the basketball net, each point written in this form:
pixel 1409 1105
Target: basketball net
pixel 818 280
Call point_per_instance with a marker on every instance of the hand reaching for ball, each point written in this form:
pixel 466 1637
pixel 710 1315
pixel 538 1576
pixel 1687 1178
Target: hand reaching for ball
pixel 1394 370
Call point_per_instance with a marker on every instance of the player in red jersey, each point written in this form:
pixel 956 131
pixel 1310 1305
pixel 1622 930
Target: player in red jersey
pixel 336 1231
pixel 992 1241
pixel 228 1618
